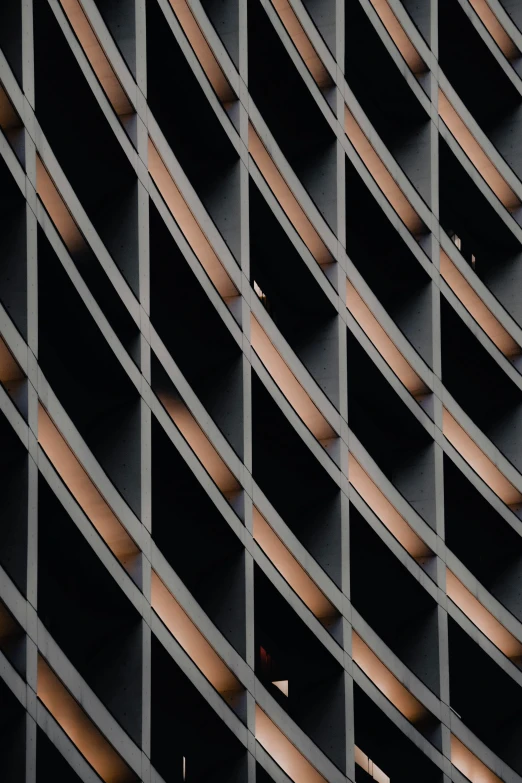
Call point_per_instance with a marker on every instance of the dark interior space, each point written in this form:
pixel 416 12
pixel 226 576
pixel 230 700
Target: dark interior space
pixel 492 711
pixel 298 487
pixel 186 734
pixel 194 333
pixel 87 613
pixel 390 104
pixel 13 250
pixel 485 543
pixel 86 148
pixel 482 388
pixel 293 298
pixel 194 132
pixel 397 441
pixel 196 540
pixel 384 744
pixel 87 377
pixel 393 602
pixel 287 651
pixel 291 113
pixel 388 265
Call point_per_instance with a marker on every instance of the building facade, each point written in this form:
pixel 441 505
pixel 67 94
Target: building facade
pixel 261 391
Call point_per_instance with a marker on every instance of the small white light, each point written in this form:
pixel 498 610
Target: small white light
pixel 282 685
